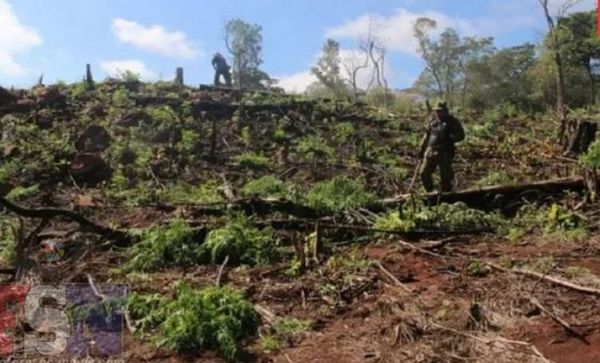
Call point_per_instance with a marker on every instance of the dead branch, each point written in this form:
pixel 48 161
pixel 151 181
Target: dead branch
pixel 553 280
pixel 221 268
pixel 268 316
pixel 49 213
pixel 392 277
pixel 559 320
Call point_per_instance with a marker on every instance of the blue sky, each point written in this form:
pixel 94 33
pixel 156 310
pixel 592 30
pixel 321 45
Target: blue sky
pixel 153 37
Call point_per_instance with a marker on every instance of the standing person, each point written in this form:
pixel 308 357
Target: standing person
pixel 221 69
pixel 438 148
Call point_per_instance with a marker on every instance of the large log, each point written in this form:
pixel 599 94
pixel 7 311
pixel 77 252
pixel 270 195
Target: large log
pixel 495 196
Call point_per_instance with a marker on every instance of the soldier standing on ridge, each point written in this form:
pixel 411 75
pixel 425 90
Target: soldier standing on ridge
pixel 438 149
pixel 221 69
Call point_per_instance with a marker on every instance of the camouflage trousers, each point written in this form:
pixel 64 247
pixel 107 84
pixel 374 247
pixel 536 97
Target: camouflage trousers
pixel 433 159
pixel 226 74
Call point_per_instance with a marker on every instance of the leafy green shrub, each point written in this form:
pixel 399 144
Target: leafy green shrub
pixel 444 216
pixel 338 194
pixel 215 318
pixel 269 187
pixel 184 193
pixel 162 115
pixel 394 221
pixel 252 160
pixel 344 132
pixel 8 241
pixel 591 158
pixel 495 177
pixel 8 170
pixel 120 98
pixel 20 193
pixel 314 149
pixel 554 221
pixel 242 242
pixel 175 244
pixel 189 141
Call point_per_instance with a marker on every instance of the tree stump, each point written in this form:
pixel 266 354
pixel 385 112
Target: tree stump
pixel 582 137
pixel 179 77
pixel 89 81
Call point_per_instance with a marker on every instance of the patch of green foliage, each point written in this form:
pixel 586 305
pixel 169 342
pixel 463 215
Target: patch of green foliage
pixel 338 194
pixel 444 216
pixel 477 269
pixel 20 193
pixel 175 244
pixel 344 131
pixel 270 187
pixel 252 160
pixel 591 158
pixel 554 221
pixel 243 242
pixel 314 149
pixel 282 330
pixel 162 115
pixel 215 318
pixel 495 177
pixel 121 189
pixel 121 99
pixel 184 193
pixel 189 141
pixel 8 241
pixel 8 170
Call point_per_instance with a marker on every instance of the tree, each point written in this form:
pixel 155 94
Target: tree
pixel 244 42
pixel 327 70
pixel 554 45
pixel 501 77
pixel 446 59
pixel 580 45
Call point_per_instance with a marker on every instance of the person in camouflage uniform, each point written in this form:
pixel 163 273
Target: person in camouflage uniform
pixel 221 69
pixel 438 148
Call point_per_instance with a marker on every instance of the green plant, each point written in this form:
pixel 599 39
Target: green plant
pixel 338 194
pixel 8 170
pixel 215 318
pixel 494 177
pixel 20 193
pixel 184 193
pixel 476 268
pixel 162 115
pixel 394 221
pixel 343 132
pixel 252 160
pixel 314 149
pixel 269 187
pixel 242 242
pixel 8 241
pixel 591 158
pixel 269 344
pixel 189 141
pixel 120 98
pixel 554 221
pixel 175 244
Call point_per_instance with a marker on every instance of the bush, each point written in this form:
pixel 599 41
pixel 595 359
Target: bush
pixel 252 160
pixel 591 158
pixel 554 221
pixel 269 187
pixel 495 177
pixel 215 318
pixel 242 242
pixel 8 242
pixel 183 193
pixel 314 149
pixel 338 194
pixel 163 246
pixel 20 193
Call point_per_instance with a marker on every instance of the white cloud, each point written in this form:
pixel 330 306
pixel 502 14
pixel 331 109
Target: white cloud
pixel 15 38
pixel 116 68
pixel 396 30
pixel 154 38
pixel 297 82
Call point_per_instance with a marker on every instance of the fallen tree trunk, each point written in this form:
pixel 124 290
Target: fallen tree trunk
pixel 49 213
pixel 494 196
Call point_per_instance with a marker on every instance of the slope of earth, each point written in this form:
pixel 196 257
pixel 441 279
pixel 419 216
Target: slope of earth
pixel 269 194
